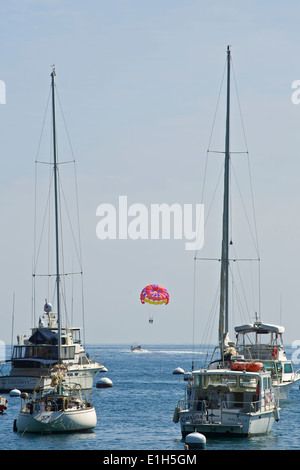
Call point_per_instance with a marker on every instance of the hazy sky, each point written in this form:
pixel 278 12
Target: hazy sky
pixel 139 81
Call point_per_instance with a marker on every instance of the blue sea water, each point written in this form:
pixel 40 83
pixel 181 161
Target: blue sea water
pixel 137 412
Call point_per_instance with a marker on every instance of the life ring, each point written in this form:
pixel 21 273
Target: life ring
pixel 275 353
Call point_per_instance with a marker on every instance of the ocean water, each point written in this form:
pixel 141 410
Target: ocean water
pixel 137 412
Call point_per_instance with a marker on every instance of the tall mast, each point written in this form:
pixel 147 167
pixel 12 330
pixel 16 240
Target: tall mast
pixel 55 169
pixel 223 317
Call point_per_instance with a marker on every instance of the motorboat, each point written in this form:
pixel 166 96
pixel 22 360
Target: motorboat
pixel 263 342
pixel 136 348
pixel 34 356
pixel 230 403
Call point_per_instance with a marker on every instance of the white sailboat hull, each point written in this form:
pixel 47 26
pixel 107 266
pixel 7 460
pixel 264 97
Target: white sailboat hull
pixel 57 421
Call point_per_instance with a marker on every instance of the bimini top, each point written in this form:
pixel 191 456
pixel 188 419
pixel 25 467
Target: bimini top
pixel 259 327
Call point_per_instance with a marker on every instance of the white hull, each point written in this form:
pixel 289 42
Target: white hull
pixel 84 377
pixel 232 424
pixel 57 421
pixel 223 402
pixel 282 390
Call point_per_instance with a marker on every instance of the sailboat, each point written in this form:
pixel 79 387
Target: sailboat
pixel 50 342
pixel 58 410
pixel 223 399
pixel 58 406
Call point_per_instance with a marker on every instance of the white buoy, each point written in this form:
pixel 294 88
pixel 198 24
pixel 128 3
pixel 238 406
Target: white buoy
pixel 103 369
pixel 104 383
pixel 195 440
pixel 178 371
pixel 15 393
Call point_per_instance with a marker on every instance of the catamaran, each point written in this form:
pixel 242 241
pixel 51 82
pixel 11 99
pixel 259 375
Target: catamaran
pixel 226 398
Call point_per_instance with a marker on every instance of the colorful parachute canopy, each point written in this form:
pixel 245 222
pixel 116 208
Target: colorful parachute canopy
pixel 154 294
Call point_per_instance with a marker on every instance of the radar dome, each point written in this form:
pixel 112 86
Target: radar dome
pixel 47 307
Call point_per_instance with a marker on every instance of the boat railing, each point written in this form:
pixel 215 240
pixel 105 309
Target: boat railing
pixel 37 406
pixel 262 352
pixel 203 407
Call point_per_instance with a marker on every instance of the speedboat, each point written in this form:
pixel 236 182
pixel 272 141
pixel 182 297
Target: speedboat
pixel 136 348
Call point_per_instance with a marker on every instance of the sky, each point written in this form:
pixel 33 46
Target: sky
pixel 139 82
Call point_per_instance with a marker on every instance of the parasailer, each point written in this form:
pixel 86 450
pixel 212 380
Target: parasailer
pixel 154 294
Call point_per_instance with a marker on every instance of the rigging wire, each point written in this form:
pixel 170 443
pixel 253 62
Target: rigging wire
pixel 248 161
pixel 211 203
pixel 47 212
pixel 78 248
pixel 202 199
pixel 217 106
pixel 33 306
pixel 254 233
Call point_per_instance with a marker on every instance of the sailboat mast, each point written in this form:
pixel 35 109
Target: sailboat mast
pixel 55 168
pixel 223 318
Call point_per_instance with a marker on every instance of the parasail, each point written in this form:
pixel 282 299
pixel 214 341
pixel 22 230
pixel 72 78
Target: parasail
pixel 154 294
